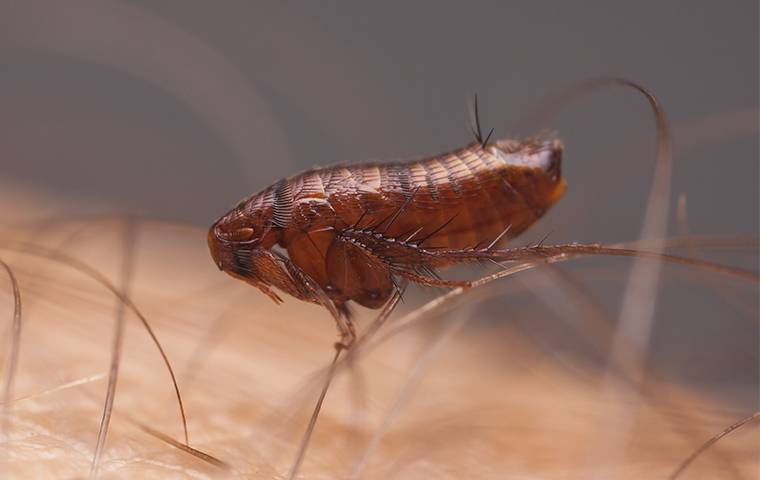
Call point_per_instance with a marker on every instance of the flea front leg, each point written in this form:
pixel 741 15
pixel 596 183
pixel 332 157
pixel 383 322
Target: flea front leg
pixel 311 291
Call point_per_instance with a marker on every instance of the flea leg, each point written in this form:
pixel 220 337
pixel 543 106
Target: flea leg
pixel 346 329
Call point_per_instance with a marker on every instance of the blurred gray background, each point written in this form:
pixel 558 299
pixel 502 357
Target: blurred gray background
pixel 178 109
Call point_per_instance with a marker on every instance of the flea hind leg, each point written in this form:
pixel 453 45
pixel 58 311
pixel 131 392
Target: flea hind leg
pixel 408 259
pixel 432 281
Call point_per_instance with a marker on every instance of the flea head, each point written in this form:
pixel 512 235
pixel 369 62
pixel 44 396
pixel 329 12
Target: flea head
pixel 240 244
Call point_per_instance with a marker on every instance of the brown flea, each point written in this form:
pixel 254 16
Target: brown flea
pixel 352 232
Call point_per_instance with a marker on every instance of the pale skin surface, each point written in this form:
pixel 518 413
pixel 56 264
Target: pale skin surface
pixel 242 363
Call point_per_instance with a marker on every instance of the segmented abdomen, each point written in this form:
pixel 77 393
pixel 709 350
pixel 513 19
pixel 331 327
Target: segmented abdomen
pixel 456 200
